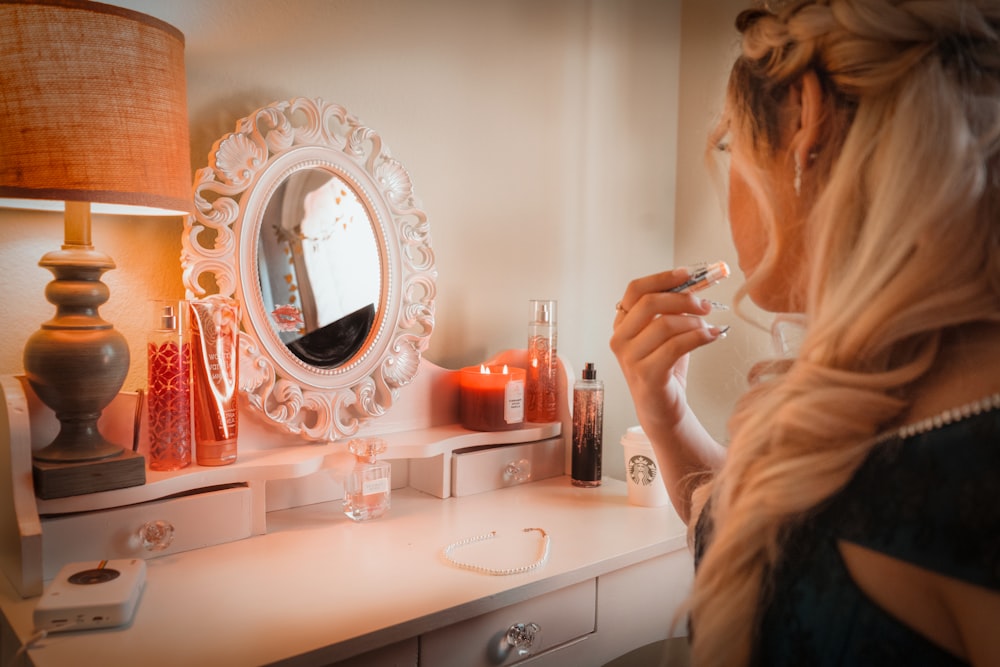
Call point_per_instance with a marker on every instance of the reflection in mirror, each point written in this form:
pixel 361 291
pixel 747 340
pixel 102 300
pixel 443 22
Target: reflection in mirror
pixel 319 267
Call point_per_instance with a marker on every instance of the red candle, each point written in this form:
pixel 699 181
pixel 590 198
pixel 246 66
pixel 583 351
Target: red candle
pixel 491 397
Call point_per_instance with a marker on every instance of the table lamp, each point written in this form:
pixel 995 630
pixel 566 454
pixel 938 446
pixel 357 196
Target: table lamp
pixel 94 108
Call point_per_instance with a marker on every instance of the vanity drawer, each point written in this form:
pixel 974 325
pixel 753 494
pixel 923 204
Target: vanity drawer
pixel 561 616
pixel 401 654
pixel 479 469
pixel 199 519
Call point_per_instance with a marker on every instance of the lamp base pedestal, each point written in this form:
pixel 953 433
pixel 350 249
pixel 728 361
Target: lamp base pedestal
pixel 58 480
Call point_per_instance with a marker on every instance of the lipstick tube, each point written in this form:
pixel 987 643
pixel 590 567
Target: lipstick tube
pixel 703 277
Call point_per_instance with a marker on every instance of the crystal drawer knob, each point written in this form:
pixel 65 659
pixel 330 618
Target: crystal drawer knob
pixel 156 535
pixel 522 637
pixel 517 472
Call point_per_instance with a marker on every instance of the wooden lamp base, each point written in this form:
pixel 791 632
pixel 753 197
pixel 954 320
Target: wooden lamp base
pixel 58 480
pixel 76 363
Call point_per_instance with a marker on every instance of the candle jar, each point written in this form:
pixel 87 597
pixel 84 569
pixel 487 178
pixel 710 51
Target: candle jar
pixel 491 397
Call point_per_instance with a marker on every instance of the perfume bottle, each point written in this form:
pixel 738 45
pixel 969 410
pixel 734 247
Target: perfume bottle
pixel 169 400
pixel 540 387
pixel 588 428
pixel 368 486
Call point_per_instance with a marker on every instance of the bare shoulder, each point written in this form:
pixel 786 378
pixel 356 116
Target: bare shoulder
pixel 975 611
pixel 957 616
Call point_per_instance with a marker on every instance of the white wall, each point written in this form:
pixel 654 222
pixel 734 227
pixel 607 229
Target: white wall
pixel 542 139
pixel 717 373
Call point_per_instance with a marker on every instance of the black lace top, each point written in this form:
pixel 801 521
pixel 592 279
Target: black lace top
pixel 932 500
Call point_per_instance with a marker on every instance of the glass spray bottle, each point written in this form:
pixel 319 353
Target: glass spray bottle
pixel 368 486
pixel 588 428
pixel 169 400
pixel 540 404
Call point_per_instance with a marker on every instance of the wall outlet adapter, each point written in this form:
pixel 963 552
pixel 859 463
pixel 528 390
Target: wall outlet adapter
pixel 91 594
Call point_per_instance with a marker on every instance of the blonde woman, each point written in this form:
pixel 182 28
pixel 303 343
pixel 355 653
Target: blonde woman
pixel 853 517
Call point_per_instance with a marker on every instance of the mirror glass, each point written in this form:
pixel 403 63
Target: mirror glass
pixel 305 218
pixel 319 266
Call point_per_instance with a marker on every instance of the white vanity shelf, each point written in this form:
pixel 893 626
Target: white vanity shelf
pixel 297 461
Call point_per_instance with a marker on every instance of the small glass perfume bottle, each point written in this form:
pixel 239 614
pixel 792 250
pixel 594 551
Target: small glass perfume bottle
pixel 169 400
pixel 588 428
pixel 368 486
pixel 540 404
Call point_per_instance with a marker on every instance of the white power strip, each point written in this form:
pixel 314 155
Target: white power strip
pixel 94 594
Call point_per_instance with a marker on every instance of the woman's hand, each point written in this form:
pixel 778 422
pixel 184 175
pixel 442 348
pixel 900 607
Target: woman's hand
pixel 654 332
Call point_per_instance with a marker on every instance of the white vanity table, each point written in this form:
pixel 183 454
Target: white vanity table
pixel 264 568
pixel 318 588
pixel 248 582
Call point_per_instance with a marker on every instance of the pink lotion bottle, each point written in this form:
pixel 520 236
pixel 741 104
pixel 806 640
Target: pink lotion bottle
pixel 540 391
pixel 169 399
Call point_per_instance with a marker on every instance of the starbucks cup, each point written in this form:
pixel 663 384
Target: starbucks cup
pixel 642 473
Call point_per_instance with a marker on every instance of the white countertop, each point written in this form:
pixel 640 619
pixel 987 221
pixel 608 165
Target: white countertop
pixel 321 587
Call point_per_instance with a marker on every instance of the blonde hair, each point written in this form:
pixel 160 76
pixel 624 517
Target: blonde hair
pixel 903 244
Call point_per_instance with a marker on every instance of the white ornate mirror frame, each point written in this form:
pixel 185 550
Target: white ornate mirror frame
pixel 220 254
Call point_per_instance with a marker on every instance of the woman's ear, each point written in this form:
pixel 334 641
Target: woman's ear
pixel 805 138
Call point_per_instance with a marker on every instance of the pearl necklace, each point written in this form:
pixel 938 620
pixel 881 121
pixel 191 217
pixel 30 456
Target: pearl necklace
pixel 985 404
pixel 543 554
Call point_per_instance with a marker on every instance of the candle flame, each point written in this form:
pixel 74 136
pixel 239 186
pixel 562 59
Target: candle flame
pixel 505 371
pixel 483 369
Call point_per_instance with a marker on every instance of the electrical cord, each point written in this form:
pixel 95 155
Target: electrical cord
pixel 32 640
pixel 38 636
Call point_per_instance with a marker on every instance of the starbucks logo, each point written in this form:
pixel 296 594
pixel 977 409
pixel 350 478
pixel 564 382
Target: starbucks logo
pixel 641 470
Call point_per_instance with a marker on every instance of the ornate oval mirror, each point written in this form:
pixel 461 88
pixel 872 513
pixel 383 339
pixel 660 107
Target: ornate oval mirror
pixel 305 218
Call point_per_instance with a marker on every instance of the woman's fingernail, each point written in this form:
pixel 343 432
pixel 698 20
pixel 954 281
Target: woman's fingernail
pixel 719 332
pixel 716 305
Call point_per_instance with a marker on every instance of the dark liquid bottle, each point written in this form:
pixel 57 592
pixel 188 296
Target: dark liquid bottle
pixel 588 428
